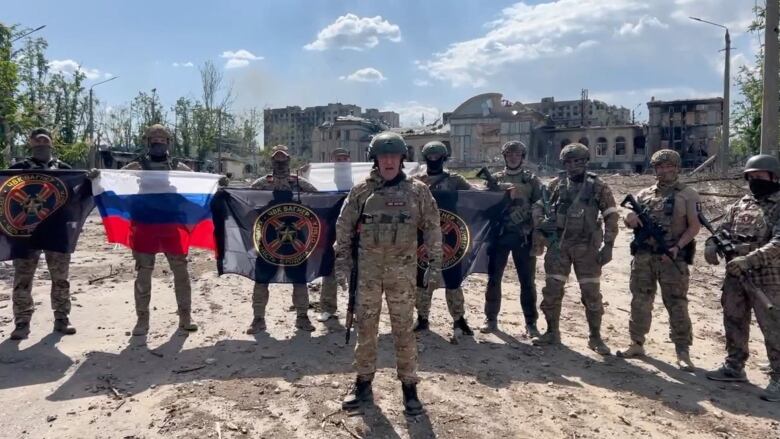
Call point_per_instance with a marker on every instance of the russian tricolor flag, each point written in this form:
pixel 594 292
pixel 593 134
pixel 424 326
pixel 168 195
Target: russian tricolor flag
pixel 157 211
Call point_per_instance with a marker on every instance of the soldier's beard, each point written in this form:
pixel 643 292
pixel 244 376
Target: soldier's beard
pixel 281 168
pixel 434 167
pixel 158 152
pixel 42 153
pixel 516 166
pixel 666 179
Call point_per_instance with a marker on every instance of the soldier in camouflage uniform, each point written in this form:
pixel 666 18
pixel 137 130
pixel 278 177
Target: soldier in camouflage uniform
pixel 281 180
pixel 58 263
pixel 385 212
pixel 516 237
pixel 158 139
pixel 675 207
pixel 577 199
pixel 754 225
pixel 438 179
pixel 328 293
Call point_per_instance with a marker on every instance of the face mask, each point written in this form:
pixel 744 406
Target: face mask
pixel 158 150
pixel 435 166
pixel 763 188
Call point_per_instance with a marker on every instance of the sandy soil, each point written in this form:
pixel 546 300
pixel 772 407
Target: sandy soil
pixel 221 383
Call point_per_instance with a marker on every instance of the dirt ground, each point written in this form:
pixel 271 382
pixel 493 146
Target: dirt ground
pixel 222 383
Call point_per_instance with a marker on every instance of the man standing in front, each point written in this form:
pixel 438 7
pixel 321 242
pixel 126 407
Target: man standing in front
pixel 675 208
pixel 438 179
pixel 281 180
pixel 580 201
pixel 753 222
pixel 517 226
pixel 158 139
pixel 329 292
pixel 58 263
pixel 384 213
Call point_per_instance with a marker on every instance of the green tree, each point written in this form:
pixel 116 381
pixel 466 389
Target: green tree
pixel 8 83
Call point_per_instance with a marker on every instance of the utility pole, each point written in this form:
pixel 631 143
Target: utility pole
pixel 723 154
pixel 769 110
pixel 91 124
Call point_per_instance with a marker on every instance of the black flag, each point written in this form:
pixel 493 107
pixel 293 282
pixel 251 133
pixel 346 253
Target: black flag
pixel 275 237
pixel 469 225
pixel 42 210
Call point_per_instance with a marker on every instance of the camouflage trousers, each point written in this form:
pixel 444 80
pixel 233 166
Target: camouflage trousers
pixel 647 271
pixel 24 273
pixel 397 283
pixel 300 299
pixel 557 266
pixel 525 266
pixel 455 302
pixel 737 306
pixel 144 265
pixel 329 294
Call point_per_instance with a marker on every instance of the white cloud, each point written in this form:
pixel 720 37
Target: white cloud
pixel 69 67
pixel 646 22
pixel 183 64
pixel 421 82
pixel 357 33
pixel 368 74
pixel 239 58
pixel 411 112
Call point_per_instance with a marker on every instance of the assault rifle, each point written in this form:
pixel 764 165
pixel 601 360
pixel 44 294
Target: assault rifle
pixel 648 229
pixel 353 274
pixel 551 236
pixel 728 251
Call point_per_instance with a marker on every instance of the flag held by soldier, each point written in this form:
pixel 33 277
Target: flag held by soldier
pixel 157 211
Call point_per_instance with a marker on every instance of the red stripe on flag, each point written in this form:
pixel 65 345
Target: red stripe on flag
pixel 160 238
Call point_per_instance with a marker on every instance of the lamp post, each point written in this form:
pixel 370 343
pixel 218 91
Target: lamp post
pixel 91 125
pixel 769 110
pixel 723 155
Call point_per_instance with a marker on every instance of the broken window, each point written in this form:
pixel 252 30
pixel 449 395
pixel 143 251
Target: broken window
pixel 584 141
pixel 639 145
pixel 601 146
pixel 620 145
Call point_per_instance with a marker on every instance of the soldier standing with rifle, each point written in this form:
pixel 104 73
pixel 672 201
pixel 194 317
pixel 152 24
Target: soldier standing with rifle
pixel 515 237
pixel 438 179
pixel 753 224
pixel 386 211
pixel 671 208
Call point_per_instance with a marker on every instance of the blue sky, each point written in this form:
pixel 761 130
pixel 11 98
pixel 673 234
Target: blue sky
pixel 409 56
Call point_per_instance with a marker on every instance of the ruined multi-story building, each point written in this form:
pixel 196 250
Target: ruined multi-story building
pixel 691 127
pixel 581 113
pixel 349 132
pixel 293 126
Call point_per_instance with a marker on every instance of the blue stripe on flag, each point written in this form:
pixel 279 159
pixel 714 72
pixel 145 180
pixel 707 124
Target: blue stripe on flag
pixel 169 208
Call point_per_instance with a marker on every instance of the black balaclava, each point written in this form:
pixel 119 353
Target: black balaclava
pixel 763 188
pixel 158 152
pixel 435 167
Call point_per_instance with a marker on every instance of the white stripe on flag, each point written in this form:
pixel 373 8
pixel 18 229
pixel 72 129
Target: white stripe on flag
pixel 154 182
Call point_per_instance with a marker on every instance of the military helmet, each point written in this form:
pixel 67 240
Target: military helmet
pixel 514 146
pixel 387 142
pixel 666 156
pixel 340 151
pixel 763 162
pixel 280 148
pixel 435 147
pixel 575 151
pixel 157 130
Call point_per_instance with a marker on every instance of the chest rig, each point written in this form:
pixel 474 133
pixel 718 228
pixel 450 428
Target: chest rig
pixel 661 209
pixel 150 165
pixel 517 217
pixel 750 227
pixel 389 221
pixel 576 208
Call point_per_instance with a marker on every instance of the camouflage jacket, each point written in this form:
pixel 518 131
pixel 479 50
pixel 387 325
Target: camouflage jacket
pixel 519 217
pixel 446 181
pixel 671 208
pixel 145 163
pixel 580 207
pixel 292 183
pixel 755 227
pixel 387 219
pixel 32 163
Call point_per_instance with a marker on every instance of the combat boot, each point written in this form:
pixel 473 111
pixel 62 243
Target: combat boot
pixel 772 391
pixel 412 404
pixel 595 342
pixel 141 326
pixel 422 324
pixel 21 331
pixel 552 336
pixel 684 359
pixel 532 330
pixel 304 324
pixel 634 350
pixel 490 325
pixel 185 322
pixel 463 325
pixel 257 325
pixel 361 393
pixel 63 326
pixel 727 373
